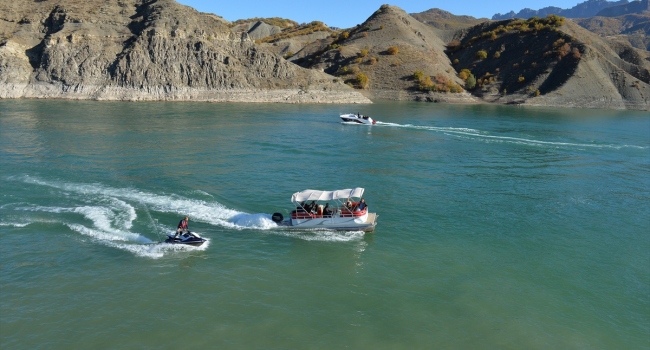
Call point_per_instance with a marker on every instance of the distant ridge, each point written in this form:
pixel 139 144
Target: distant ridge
pixel 445 20
pixel 588 8
pixel 625 9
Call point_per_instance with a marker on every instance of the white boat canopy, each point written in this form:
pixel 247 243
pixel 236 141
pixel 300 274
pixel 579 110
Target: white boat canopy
pixel 317 195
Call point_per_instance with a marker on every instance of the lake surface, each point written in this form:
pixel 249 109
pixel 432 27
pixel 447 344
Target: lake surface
pixel 499 227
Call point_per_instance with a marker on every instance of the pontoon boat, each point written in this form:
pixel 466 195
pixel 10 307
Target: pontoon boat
pixel 334 210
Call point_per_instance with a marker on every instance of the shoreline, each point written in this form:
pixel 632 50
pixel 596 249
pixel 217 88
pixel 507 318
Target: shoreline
pixel 311 95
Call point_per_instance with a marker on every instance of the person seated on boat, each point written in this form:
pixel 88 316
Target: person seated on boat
pixel 362 205
pixel 327 211
pixel 312 207
pixel 348 204
pixel 182 226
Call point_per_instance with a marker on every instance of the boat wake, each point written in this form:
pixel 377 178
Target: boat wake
pixel 122 217
pixel 484 136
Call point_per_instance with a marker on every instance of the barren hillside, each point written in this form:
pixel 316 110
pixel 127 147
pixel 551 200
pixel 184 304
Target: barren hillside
pixel 551 62
pixel 381 56
pixel 149 50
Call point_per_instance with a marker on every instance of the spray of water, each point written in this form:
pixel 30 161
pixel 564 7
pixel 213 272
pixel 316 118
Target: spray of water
pixel 107 215
pixel 472 134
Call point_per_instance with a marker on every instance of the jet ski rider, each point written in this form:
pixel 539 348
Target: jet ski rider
pixel 182 226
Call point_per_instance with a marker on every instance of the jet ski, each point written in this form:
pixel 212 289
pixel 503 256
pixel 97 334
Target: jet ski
pixel 187 238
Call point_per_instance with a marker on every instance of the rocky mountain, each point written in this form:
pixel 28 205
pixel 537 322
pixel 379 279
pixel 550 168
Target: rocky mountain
pixel 624 9
pixel 160 50
pixel 632 29
pixel 145 50
pixel 588 8
pixel 627 23
pixel 444 20
pixel 551 62
pixel 257 30
pixel 381 55
pixel 294 39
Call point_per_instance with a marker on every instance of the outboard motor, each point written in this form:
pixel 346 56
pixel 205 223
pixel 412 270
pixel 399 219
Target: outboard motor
pixel 277 218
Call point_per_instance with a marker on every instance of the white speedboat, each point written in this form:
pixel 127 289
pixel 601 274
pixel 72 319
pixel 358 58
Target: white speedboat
pixel 334 210
pixel 357 118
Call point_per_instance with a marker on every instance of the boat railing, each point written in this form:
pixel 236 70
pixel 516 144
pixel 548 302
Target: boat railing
pixel 342 212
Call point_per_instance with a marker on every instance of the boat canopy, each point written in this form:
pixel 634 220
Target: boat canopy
pixel 317 195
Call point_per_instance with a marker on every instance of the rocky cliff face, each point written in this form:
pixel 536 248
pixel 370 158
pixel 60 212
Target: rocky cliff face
pixel 145 50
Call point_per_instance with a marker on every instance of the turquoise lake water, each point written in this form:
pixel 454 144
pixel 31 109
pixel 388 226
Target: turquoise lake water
pixel 499 227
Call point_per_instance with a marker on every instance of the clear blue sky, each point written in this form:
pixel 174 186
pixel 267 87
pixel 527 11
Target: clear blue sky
pixel 348 13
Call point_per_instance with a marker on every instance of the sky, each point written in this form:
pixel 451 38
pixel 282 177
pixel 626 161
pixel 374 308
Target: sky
pixel 348 13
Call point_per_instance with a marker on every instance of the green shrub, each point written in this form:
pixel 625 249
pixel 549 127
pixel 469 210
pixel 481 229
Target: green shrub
pixel 425 83
pixel 497 54
pixel 418 75
pixel 363 53
pixel 455 88
pixel 362 80
pixel 470 83
pixel 393 50
pixel 481 54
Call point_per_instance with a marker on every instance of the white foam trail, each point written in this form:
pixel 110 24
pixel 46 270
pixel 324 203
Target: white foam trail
pixel 101 217
pixel 112 216
pixel 476 134
pixel 109 236
pixel 209 212
pixel 15 224
pixel 322 235
pixel 257 221
pixel 144 247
